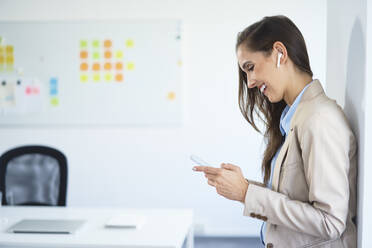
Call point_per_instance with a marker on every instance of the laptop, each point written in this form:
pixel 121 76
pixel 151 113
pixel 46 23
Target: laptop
pixel 46 226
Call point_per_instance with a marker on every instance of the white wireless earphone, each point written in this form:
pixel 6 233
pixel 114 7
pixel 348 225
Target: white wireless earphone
pixel 279 56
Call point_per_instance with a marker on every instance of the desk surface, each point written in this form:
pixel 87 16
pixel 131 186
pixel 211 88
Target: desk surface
pixel 163 228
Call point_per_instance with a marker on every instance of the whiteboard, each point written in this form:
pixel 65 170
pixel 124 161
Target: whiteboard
pixel 120 72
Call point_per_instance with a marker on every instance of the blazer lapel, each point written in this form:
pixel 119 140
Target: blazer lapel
pixel 279 162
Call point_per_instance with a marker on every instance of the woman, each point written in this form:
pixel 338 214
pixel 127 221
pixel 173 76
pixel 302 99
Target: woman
pixel 308 198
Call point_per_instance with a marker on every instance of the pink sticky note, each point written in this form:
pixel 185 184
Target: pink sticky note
pixel 35 90
pixel 28 90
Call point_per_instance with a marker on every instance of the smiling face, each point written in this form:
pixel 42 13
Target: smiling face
pixel 261 72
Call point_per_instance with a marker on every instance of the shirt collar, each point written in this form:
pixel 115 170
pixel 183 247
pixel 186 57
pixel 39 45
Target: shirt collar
pixel 288 112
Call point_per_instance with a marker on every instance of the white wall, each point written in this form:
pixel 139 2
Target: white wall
pixel 367 182
pixel 348 57
pixel 149 166
pixel 343 17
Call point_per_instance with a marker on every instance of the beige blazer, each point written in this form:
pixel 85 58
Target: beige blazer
pixel 312 202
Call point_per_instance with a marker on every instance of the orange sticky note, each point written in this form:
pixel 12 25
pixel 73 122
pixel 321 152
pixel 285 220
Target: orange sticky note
pixel 107 43
pixel 119 66
pixel 84 66
pixel 119 77
pixel 107 66
pixel 96 67
pixel 108 54
pixel 83 54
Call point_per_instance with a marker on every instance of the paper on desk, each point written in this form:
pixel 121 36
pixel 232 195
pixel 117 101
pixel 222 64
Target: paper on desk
pixel 126 221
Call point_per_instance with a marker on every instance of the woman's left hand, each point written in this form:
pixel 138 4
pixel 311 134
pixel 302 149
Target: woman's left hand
pixel 228 180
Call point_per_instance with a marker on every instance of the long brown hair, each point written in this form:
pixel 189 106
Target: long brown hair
pixel 260 37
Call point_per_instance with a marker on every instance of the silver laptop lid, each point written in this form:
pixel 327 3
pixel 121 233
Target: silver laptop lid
pixel 46 226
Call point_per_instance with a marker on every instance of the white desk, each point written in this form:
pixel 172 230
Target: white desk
pixel 164 228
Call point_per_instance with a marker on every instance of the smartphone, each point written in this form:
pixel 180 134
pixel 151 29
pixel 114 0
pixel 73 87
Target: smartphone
pixel 197 160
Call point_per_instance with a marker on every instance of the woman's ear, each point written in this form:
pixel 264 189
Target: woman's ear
pixel 281 53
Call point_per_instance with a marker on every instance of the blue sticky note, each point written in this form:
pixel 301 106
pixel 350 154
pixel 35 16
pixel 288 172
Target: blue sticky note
pixel 53 86
pixel 53 81
pixel 53 91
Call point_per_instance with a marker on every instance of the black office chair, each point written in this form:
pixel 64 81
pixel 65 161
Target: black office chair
pixel 33 176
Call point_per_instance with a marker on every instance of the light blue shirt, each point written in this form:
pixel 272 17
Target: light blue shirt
pixel 285 124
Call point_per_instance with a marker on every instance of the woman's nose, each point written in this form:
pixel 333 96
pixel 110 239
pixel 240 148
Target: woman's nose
pixel 251 83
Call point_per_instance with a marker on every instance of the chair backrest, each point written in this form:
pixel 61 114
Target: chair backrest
pixel 33 175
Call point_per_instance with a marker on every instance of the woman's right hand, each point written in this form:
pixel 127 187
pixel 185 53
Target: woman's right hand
pixel 228 180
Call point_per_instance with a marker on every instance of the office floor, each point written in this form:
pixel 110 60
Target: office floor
pixel 217 242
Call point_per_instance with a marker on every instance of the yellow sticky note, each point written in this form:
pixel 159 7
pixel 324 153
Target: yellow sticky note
pixel 9 49
pixel 119 54
pixel 10 60
pixel 108 76
pixel 129 43
pixel 54 101
pixel 10 68
pixel 96 77
pixel 171 96
pixel 95 43
pixel 130 66
pixel 95 55
pixel 83 44
pixel 83 78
